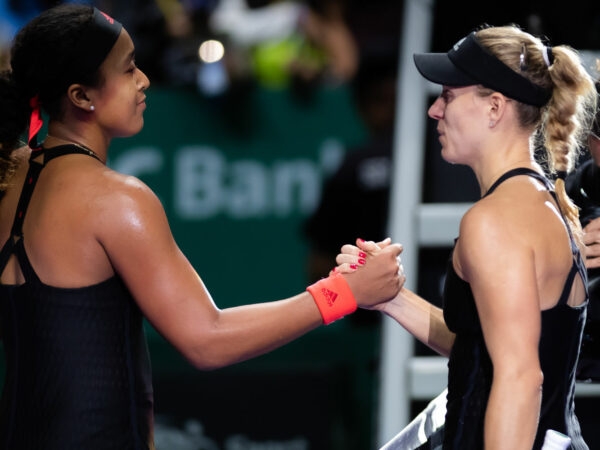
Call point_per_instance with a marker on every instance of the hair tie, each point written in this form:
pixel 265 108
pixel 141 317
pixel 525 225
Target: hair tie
pixel 35 122
pixel 548 56
pixel 561 175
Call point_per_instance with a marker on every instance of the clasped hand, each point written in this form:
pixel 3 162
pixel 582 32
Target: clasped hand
pixel 359 263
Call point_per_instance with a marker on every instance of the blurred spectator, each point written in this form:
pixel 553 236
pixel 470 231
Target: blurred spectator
pixel 325 25
pixel 288 42
pixel 357 195
pixel 16 13
pixel 143 19
pixel 186 27
pixel 248 25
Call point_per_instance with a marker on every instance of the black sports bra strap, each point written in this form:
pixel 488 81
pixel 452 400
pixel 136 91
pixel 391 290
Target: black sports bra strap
pixel 6 252
pixel 37 161
pixel 520 171
pixel 32 175
pixel 564 296
pixel 26 267
pixel 67 149
pixel 16 233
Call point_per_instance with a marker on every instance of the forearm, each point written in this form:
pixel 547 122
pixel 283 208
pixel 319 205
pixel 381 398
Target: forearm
pixel 183 311
pixel 243 332
pixel 422 319
pixel 512 413
pixel 256 329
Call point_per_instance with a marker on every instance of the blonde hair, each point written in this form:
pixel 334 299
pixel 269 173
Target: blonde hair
pixel 563 124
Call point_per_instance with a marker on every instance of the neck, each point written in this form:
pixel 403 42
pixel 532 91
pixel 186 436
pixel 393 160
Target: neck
pixel 64 141
pixel 501 154
pixel 86 135
pixel 486 181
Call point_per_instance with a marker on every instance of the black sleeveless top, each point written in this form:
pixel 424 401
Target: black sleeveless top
pixel 470 367
pixel 77 367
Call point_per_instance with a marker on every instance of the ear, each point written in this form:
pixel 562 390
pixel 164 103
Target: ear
pixel 77 96
pixel 497 107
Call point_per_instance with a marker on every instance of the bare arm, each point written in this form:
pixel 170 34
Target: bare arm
pixel 138 240
pixel 500 267
pixel 419 317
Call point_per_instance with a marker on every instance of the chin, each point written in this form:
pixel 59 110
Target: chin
pixel 136 130
pixel 449 157
pixel 446 156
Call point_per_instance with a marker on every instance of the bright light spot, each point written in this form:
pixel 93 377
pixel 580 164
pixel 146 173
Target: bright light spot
pixel 211 51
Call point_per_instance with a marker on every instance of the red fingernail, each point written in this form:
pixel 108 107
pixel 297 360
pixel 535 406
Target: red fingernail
pixel 362 255
pixel 362 262
pixel 353 266
pixel 334 269
pixel 361 240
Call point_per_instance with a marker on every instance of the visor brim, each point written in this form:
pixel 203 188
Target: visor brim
pixel 437 68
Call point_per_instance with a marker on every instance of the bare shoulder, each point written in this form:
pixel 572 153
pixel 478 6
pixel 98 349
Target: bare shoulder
pixel 120 187
pixel 106 202
pixel 506 226
pixel 485 219
pixel 488 228
pixel 516 209
pixel 124 198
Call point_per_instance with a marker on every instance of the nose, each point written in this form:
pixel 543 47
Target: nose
pixel 143 81
pixel 436 110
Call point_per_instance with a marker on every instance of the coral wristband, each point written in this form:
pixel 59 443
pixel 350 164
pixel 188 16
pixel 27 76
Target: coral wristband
pixel 333 298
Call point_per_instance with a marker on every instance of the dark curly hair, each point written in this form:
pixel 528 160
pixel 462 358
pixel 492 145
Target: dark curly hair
pixel 43 63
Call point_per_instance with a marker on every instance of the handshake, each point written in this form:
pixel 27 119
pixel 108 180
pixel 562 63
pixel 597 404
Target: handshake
pixel 368 275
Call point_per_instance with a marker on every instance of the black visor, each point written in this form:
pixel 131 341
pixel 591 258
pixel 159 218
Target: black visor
pixel 469 63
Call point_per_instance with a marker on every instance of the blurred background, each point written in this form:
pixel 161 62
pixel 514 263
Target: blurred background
pixel 271 138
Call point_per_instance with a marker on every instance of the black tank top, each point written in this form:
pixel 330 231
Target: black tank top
pixel 77 367
pixel 470 367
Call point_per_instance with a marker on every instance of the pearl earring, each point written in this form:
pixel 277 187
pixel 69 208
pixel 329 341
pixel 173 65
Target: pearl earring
pixel 92 108
pixel 492 123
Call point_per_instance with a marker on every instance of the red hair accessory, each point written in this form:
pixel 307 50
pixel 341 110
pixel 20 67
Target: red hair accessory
pixel 35 122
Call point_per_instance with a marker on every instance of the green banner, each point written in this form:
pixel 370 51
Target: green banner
pixel 238 178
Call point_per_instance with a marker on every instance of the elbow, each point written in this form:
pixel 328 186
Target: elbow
pixel 205 362
pixel 205 346
pixel 540 377
pixel 527 381
pixel 206 357
pixel 211 352
pixel 205 365
pixel 534 378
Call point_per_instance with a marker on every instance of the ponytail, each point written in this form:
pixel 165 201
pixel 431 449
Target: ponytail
pixel 14 113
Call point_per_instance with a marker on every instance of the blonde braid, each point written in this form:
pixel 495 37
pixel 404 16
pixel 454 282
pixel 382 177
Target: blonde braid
pixel 568 120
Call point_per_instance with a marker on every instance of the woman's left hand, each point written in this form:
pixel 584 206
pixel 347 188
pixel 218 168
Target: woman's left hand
pixel 352 257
